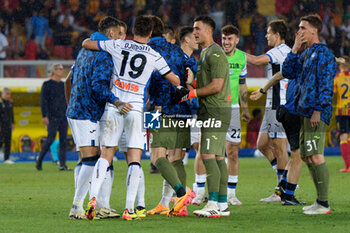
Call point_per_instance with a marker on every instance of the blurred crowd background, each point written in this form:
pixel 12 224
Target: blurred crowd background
pixel 54 29
pixel 41 32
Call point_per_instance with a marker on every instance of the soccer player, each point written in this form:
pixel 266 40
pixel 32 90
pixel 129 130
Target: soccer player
pixel 271 131
pixel 176 137
pixel 188 45
pixel 134 62
pixel 341 89
pixel 213 92
pixel 123 29
pixel 90 80
pixel 315 67
pixel 169 34
pixel 239 91
pixel 238 72
pixel 182 60
pixel 287 115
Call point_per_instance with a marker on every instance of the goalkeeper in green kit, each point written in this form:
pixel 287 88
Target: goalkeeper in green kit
pixel 214 95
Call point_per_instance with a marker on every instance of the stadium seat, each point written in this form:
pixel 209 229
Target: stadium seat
pixel 62 51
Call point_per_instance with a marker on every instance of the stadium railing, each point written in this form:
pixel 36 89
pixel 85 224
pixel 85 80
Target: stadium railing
pixel 25 63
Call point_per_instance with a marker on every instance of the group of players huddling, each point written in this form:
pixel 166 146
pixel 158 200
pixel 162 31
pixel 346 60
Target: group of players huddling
pixel 113 78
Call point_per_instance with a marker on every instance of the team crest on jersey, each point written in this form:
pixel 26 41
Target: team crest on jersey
pixel 151 120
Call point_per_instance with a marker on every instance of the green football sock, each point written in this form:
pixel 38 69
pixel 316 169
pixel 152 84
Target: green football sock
pixel 322 175
pixel 313 176
pixel 168 172
pixel 213 178
pixel 223 178
pixel 180 169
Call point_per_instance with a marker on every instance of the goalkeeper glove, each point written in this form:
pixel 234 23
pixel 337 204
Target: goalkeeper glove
pixel 182 94
pixel 189 77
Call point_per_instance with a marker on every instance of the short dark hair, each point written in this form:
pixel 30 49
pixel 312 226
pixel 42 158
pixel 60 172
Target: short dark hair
pixel 123 24
pixel 206 20
pixel 143 25
pixel 279 26
pixel 107 23
pixel 169 30
pixel 158 26
pixel 314 20
pixel 184 32
pixel 230 30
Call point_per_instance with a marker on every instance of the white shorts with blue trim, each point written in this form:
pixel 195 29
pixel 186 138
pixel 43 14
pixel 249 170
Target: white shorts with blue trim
pixel 234 130
pixel 114 124
pixel 85 132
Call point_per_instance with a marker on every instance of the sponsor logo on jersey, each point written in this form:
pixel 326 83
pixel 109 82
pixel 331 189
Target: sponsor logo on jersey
pixel 234 65
pixel 126 86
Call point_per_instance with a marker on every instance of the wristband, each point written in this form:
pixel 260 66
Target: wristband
pixel 192 94
pixel 194 84
pixel 261 90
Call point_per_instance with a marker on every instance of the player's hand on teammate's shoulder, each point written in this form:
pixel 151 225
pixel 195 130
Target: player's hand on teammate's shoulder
pixel 123 107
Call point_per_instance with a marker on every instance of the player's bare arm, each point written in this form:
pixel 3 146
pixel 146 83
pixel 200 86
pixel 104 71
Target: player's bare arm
pixel 274 80
pixel 243 100
pixel 68 87
pixel 257 60
pixel 212 88
pixel 90 44
pixel 173 79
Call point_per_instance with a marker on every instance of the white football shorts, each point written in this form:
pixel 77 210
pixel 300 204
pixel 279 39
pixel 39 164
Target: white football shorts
pixel 85 132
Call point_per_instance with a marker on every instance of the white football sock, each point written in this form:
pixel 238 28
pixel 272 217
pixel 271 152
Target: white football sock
pixel 222 206
pixel 230 190
pixel 201 179
pixel 214 204
pixel 83 184
pixel 76 174
pixel 166 194
pixel 140 196
pixel 274 167
pixel 106 189
pixel 98 176
pixel 132 184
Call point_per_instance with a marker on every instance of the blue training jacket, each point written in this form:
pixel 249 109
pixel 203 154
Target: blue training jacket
pixel 161 92
pixel 315 70
pixel 90 79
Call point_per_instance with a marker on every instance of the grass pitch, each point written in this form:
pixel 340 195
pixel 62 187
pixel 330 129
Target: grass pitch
pixel 32 201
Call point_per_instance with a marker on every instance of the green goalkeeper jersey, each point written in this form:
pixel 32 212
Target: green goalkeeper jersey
pixel 238 72
pixel 212 64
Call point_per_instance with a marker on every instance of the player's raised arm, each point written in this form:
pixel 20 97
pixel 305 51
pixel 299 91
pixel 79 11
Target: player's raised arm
pixel 90 44
pixel 257 60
